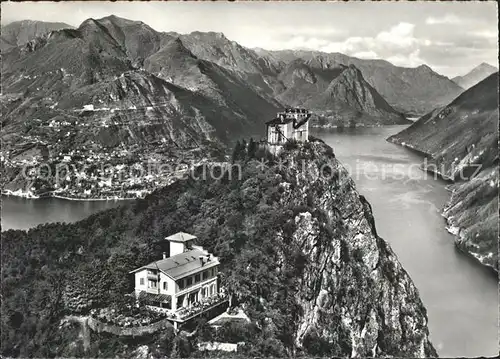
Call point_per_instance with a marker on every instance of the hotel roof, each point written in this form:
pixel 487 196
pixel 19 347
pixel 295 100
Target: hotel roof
pixel 181 237
pixel 182 264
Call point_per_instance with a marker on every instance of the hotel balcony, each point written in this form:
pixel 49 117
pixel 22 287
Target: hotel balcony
pixel 186 313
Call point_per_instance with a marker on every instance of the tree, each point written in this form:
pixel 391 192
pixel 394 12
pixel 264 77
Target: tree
pixel 182 346
pixel 236 152
pixel 252 148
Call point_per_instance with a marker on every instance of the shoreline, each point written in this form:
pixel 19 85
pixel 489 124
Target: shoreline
pixel 327 127
pixel 439 174
pixel 52 195
pixel 449 227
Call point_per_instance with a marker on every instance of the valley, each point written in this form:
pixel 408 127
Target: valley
pixel 460 141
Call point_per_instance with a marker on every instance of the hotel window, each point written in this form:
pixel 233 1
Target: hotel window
pixel 197 278
pixel 212 290
pixel 165 286
pixel 189 281
pixel 151 284
pixel 181 284
pixel 205 275
pixel 203 292
pixel 141 281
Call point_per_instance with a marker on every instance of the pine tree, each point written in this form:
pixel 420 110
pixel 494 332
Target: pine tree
pixel 252 148
pixel 236 151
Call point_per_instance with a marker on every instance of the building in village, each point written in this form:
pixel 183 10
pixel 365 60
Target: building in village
pixel 289 125
pixel 184 284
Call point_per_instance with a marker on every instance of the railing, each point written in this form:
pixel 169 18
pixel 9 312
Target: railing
pixel 200 306
pixel 152 276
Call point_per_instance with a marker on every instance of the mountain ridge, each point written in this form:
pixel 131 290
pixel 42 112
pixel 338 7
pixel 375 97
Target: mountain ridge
pixel 18 33
pixel 474 76
pixel 461 142
pixel 409 90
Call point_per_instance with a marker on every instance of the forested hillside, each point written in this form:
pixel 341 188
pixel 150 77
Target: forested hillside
pixel 298 248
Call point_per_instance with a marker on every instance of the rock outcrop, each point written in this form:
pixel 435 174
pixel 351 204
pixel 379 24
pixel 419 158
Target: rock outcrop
pixel 351 101
pixel 353 290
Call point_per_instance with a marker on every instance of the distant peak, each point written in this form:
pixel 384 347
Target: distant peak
pixel 486 66
pixel 89 21
pixel 121 20
pixel 219 35
pixel 110 19
pixel 424 67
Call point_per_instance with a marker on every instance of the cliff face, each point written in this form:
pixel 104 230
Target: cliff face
pixel 354 289
pixel 350 100
pixel 461 142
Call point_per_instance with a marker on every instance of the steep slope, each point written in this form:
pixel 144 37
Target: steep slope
pixel 409 90
pixel 476 75
pixel 20 32
pixel 244 63
pixel 461 141
pixel 352 101
pixel 113 82
pixel 302 83
pixel 177 64
pixel 298 248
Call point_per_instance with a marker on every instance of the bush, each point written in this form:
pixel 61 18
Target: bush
pixel 316 345
pixel 182 346
pixel 291 145
pixel 236 331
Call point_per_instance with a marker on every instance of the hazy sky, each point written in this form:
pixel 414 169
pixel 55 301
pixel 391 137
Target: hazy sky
pixel 451 37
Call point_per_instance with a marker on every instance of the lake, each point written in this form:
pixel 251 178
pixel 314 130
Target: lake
pixel 22 213
pixel 460 296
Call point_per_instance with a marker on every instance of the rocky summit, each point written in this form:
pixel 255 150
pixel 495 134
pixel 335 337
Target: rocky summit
pixel 461 143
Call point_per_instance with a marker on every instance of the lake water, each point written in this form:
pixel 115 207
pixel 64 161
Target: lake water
pixel 460 296
pixel 22 213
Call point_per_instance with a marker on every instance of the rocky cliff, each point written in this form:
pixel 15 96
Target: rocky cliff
pixel 354 288
pixel 299 252
pixel 351 101
pixel 460 141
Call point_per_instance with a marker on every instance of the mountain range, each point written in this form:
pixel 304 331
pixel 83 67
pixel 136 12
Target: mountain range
pixel 474 76
pixel 224 71
pixel 116 83
pixel 409 90
pixel 461 142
